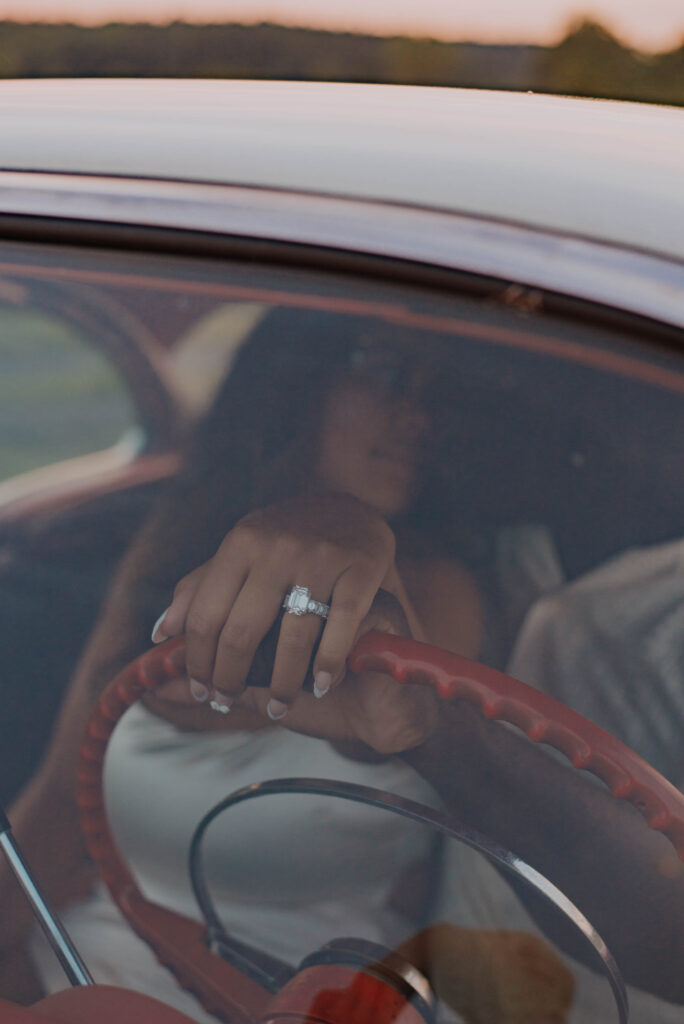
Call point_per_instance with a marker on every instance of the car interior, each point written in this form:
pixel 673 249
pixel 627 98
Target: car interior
pixel 552 421
pixel 555 441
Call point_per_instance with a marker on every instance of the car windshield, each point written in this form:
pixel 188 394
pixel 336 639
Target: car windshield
pixel 316 459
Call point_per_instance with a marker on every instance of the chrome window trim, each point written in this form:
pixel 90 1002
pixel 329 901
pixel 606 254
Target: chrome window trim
pixel 629 280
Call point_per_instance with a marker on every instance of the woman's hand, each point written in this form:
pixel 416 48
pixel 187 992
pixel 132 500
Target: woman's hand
pixel 333 544
pixel 368 707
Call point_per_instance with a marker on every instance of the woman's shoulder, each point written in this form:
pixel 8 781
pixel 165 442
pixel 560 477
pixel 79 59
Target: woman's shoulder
pixel 448 601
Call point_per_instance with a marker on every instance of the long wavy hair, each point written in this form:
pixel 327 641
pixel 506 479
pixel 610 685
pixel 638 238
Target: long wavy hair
pixel 256 445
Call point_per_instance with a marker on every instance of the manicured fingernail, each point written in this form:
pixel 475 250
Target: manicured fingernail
pixel 199 691
pixel 221 702
pixel 275 709
pixel 322 683
pixel 157 635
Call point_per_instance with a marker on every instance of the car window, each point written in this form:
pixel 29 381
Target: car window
pixel 501 482
pixel 60 396
pixel 202 356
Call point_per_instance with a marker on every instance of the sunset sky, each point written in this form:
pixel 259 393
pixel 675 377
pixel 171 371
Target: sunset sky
pixel 648 24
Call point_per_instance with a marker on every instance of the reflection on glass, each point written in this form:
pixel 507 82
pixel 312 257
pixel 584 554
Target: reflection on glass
pixel 437 467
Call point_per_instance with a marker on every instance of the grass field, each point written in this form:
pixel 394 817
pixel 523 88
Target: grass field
pixel 59 397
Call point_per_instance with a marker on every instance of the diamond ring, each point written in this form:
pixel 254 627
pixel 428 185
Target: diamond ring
pixel 300 602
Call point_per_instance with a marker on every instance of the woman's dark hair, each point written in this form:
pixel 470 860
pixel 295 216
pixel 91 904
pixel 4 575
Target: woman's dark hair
pixel 270 401
pixel 256 444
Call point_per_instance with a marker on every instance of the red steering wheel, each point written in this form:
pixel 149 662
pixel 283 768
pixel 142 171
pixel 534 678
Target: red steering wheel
pixel 180 943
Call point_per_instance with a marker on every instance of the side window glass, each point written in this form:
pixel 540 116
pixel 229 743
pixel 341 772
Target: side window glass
pixel 60 397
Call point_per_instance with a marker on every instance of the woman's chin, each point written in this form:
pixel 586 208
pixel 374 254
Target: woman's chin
pixel 388 496
pixel 389 502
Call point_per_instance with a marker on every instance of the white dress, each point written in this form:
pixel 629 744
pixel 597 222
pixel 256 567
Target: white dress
pixel 287 873
pixel 290 873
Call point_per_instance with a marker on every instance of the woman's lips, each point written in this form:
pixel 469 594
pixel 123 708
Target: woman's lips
pixel 400 459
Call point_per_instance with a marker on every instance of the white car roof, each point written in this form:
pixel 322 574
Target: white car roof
pixel 606 170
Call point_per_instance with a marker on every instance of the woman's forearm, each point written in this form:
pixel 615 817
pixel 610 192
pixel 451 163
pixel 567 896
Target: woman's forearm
pixel 626 878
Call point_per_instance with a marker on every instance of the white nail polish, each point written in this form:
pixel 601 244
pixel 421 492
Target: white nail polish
pixel 275 709
pixel 157 635
pixel 199 691
pixel 221 702
pixel 322 683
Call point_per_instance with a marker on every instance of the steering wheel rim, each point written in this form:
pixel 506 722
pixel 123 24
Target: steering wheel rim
pixel 179 943
pixel 542 718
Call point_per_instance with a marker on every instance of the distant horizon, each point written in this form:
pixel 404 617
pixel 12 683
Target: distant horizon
pixel 656 26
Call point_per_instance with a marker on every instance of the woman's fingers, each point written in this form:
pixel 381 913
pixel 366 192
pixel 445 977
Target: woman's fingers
pixel 370 708
pixel 298 634
pixel 227 606
pixel 171 622
pixel 178 691
pixel 305 714
pixel 352 599
pixel 209 608
pixel 356 606
pixel 253 612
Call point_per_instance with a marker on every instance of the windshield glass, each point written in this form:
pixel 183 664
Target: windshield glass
pixel 280 463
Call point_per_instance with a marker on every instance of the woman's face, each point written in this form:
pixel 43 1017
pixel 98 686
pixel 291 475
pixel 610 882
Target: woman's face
pixel 373 432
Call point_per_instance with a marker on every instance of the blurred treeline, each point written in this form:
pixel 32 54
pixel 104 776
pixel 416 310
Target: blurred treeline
pixel 588 62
